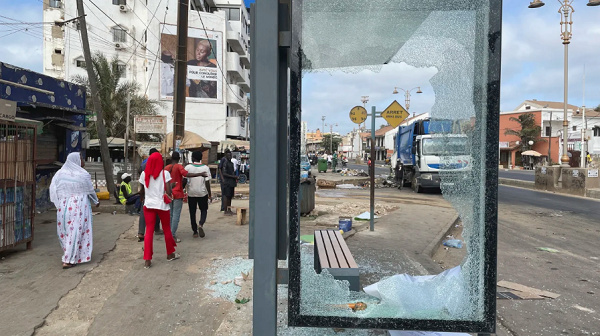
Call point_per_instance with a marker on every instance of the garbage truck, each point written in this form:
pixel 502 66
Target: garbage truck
pixel 424 148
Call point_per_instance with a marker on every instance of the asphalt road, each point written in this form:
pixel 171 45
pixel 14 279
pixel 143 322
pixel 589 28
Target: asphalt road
pixel 529 220
pixel 524 175
pixel 378 169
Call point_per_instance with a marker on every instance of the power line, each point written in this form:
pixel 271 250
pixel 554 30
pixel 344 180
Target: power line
pixel 148 25
pixel 156 59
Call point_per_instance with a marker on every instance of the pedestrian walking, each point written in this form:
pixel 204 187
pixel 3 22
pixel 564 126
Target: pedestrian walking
pixel 155 190
pixel 177 173
pixel 229 182
pixel 221 179
pixel 142 220
pixel 199 193
pixel 72 193
pixel 235 166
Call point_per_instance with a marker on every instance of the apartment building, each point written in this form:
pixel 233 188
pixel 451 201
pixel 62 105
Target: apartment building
pixel 142 35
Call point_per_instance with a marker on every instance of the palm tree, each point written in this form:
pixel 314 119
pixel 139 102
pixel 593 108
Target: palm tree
pixel 113 91
pixel 529 131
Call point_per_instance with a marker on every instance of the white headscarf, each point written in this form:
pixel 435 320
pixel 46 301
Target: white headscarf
pixel 70 180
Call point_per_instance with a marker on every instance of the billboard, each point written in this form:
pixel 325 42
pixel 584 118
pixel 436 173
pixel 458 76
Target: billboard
pixel 204 80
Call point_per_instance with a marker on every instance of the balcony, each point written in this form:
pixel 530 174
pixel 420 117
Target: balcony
pixel 245 82
pixel 236 127
pixel 235 41
pixel 234 99
pixel 245 58
pixel 233 65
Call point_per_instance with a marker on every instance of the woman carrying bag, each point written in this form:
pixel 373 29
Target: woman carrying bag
pixel 156 194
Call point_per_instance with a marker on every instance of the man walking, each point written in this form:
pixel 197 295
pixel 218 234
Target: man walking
pixel 177 173
pixel 229 182
pixel 199 193
pixel 222 179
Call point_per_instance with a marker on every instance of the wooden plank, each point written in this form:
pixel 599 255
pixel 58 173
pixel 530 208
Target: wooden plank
pixel 521 288
pixel 346 250
pixel 321 248
pixel 339 255
pixel 333 263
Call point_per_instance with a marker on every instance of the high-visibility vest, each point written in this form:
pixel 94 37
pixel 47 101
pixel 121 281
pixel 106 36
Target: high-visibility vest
pixel 122 198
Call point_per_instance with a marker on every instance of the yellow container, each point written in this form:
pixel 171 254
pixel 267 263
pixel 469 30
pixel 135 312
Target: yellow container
pixel 103 195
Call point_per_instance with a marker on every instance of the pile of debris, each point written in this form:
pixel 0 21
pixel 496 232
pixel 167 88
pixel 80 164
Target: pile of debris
pixel 326 215
pixel 353 172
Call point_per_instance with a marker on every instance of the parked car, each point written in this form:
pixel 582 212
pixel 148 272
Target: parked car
pixel 305 163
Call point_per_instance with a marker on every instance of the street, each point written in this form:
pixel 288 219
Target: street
pixel 524 175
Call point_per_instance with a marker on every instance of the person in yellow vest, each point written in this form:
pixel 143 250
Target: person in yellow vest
pixel 589 158
pixel 125 195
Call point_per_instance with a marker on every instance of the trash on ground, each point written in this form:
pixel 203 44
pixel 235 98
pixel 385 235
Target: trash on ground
pixel 514 295
pixel 365 216
pixel 456 243
pixel 587 310
pixel 224 272
pixel 548 249
pixel 307 239
pixel 242 301
pixel 348 186
pixel 525 289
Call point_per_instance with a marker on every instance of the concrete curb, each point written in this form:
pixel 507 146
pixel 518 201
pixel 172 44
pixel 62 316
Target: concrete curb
pixel 516 183
pixel 434 244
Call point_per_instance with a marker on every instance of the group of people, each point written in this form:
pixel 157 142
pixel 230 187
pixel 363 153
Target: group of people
pixel 160 199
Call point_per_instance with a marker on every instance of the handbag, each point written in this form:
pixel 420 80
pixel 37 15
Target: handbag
pixel 166 198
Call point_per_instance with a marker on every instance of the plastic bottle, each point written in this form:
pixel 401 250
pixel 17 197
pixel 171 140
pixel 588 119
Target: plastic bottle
pixel 456 243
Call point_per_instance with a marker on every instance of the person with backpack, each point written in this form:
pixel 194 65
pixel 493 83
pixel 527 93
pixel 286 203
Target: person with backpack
pixel 178 172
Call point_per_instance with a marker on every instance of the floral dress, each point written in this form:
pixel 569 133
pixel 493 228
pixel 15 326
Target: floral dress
pixel 74 228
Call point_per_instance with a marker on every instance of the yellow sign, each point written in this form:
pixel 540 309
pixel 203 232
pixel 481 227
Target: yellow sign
pixel 358 114
pixel 395 114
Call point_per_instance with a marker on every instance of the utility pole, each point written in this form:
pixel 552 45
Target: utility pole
pixel 583 156
pixel 100 127
pixel 127 133
pixel 180 72
pixel 550 141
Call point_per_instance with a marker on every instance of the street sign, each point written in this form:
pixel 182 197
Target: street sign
pixel 8 110
pixel 150 124
pixel 593 173
pixel 358 114
pixel 395 114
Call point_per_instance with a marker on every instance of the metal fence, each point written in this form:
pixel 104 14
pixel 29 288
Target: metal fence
pixel 17 183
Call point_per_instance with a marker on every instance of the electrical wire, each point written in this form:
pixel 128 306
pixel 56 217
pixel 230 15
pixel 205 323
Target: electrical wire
pixel 156 59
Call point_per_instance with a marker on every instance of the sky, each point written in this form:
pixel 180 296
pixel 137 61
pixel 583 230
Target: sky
pixel 532 63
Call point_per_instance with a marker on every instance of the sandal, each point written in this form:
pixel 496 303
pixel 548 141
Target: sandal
pixel 67 266
pixel 173 256
pixel 140 238
pixel 147 264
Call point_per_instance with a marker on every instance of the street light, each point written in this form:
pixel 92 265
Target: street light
pixel 407 95
pixel 331 137
pixel 566 26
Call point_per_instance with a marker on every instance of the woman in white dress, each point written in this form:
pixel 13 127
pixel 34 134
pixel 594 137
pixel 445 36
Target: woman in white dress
pixel 72 193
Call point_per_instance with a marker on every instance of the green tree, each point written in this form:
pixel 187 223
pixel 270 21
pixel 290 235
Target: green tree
pixel 529 131
pixel 113 91
pixel 327 142
pixel 597 108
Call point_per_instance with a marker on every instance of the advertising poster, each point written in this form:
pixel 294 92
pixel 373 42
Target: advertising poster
pixel 204 78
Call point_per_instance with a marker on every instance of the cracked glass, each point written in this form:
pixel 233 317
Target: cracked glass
pixel 342 49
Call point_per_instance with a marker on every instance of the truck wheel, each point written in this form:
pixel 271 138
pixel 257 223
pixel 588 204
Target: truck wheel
pixel 415 186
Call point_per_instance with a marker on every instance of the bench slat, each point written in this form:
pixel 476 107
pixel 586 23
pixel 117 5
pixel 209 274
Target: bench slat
pixel 323 259
pixel 346 251
pixel 339 254
pixel 333 263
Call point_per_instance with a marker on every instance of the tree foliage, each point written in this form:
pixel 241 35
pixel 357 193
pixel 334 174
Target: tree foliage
pixel 113 91
pixel 597 108
pixel 327 142
pixel 529 131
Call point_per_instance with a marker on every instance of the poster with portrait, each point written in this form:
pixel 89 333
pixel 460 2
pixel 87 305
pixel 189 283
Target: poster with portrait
pixel 204 80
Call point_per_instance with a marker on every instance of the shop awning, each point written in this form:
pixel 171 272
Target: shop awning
pixel 234 145
pixel 190 141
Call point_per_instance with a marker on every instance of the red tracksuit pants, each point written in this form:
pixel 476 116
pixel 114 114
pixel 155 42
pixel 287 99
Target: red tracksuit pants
pixel 150 217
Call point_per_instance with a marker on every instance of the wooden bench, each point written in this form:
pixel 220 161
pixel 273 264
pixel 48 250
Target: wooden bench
pixel 242 214
pixel 332 253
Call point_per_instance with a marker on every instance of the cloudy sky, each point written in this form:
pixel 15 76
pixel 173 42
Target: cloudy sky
pixel 532 63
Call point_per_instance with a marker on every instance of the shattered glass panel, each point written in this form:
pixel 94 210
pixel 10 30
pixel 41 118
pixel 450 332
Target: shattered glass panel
pixel 350 48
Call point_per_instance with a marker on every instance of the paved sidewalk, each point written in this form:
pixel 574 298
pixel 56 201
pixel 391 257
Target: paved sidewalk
pixel 114 294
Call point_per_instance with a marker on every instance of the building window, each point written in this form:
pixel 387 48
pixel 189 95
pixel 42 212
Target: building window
pixel 58 51
pixel 232 14
pixel 547 131
pixel 574 128
pixel 55 3
pixel 119 34
pixel 119 2
pixel 80 63
pixel 121 68
pixel 597 131
pixel 527 107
